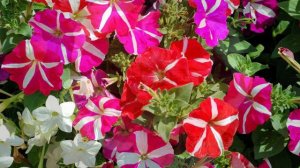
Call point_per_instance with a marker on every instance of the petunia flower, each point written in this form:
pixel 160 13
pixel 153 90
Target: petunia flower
pixel 66 35
pixel 97 117
pixel 199 61
pixel 175 134
pixel 91 84
pixel 263 13
pixel 265 164
pixel 149 150
pixel 108 16
pixel 210 19
pixel 33 67
pixel 80 151
pixel 91 54
pixel 293 125
pixel 55 115
pixel 239 161
pixel 232 6
pixel 156 68
pixel 143 35
pixel 32 128
pixel 252 97
pixel 6 141
pixel 210 128
pixel 3 74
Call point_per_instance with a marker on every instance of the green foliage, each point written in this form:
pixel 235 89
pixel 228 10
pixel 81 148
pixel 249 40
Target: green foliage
pixel 222 161
pixel 244 64
pixel 66 78
pixel 175 21
pixel 291 41
pixel 281 27
pixel 267 142
pixel 34 100
pixel 292 7
pixel 122 61
pixel 282 99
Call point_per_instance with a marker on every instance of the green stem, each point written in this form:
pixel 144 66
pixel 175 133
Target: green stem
pixel 41 162
pixel 6 93
pixel 8 101
pixel 296 100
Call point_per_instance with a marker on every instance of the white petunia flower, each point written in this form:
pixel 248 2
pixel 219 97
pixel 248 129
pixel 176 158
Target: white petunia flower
pixel 55 114
pixel 86 87
pixel 32 128
pixel 6 141
pixel 80 151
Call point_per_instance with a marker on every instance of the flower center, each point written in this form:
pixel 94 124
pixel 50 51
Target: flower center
pixel 54 114
pixel 57 33
pixel 144 157
pixel 160 75
pixel 85 139
pixel 113 1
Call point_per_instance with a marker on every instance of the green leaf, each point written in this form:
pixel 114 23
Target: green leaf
pixel 24 29
pixel 259 49
pixel 34 101
pixel 279 123
pixel 163 126
pixel 183 92
pixel 267 143
pixel 281 27
pixel 292 7
pixel 236 61
pixel 11 41
pixel 66 78
pixel 241 47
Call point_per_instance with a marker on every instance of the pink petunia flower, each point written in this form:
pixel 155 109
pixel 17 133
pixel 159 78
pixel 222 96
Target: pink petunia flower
pixel 149 150
pixel 108 16
pixel 232 5
pixel 252 97
pixel 210 128
pixel 97 117
pixel 91 84
pixel 239 161
pixel 210 19
pixel 263 13
pixel 91 54
pixel 175 134
pixel 265 164
pixel 66 34
pixel 199 61
pixel 34 68
pixel 143 35
pixel 293 125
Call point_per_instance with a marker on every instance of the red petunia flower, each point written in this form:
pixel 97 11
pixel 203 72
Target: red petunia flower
pixel 210 128
pixel 199 61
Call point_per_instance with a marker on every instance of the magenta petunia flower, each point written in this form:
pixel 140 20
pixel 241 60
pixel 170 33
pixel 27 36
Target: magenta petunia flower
pixel 91 84
pixel 252 97
pixel 293 125
pixel 97 117
pixel 34 68
pixel 144 35
pixel 265 164
pixel 262 12
pixel 109 16
pixel 3 74
pixel 210 19
pixel 66 34
pixel 91 54
pixel 149 150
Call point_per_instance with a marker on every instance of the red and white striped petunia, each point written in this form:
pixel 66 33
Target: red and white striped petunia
pixel 109 16
pixel 265 164
pixel 91 54
pixel 232 5
pixel 252 97
pixel 293 125
pixel 149 150
pixel 142 36
pixel 239 161
pixel 33 67
pixel 97 117
pixel 156 68
pixel 66 34
pixel 199 61
pixel 210 128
